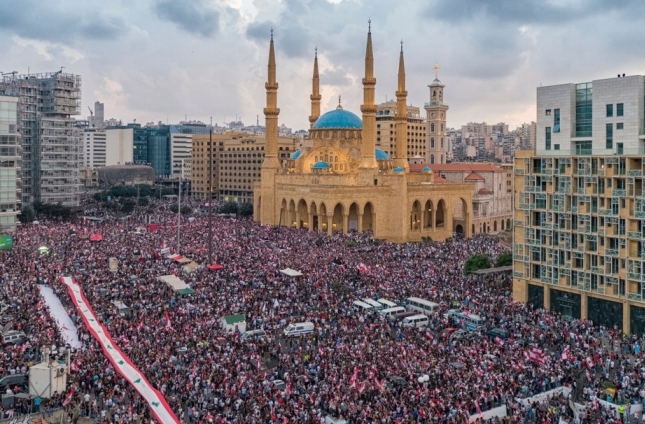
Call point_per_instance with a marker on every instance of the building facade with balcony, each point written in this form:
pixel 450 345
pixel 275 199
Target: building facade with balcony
pixel 10 184
pixel 579 216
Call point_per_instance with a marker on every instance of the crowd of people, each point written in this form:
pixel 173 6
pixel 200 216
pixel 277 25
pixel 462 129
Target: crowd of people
pixel 345 368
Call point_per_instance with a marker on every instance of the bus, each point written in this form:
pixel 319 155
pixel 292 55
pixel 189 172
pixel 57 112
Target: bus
pixel 422 306
pixel 470 321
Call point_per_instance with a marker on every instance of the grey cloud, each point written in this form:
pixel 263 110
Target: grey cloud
pixel 49 21
pixel 194 16
pixel 526 11
pixel 336 76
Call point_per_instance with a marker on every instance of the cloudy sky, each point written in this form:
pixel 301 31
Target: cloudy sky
pixel 154 60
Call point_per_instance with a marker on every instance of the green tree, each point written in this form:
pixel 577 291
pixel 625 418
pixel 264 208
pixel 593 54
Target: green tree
pixel 143 201
pixel 504 259
pixel 228 207
pixel 245 210
pixel 185 210
pixel 476 262
pixel 26 215
pixel 128 205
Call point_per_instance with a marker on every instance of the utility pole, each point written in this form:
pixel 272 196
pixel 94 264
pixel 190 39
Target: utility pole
pixel 210 194
pixel 179 208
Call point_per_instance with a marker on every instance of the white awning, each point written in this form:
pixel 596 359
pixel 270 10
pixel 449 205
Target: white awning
pixel 176 284
pixel 291 272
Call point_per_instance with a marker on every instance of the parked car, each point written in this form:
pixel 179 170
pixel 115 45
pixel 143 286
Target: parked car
pixel 253 334
pixel 498 332
pixel 13 337
pixel 21 381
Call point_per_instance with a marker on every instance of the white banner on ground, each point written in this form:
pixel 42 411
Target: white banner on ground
pixel 63 321
pixel 500 412
pixel 120 361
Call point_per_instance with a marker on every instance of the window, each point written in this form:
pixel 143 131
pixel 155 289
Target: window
pixel 556 120
pixel 609 134
pixel 432 142
pixel 619 109
pixel 548 112
pixel 548 138
pixel 556 147
pixel 619 126
pixel 610 111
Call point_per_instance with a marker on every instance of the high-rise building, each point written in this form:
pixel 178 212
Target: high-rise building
pixel 10 185
pixel 436 115
pixel 417 145
pixel 119 146
pixel 237 159
pixel 99 115
pixel 94 155
pixel 52 149
pixel 579 223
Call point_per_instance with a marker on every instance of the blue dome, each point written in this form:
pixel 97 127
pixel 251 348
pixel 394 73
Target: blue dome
pixel 295 155
pixel 320 165
pixel 380 154
pixel 398 169
pixel 426 169
pixel 339 118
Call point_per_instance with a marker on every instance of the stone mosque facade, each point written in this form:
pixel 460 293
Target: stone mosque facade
pixel 341 182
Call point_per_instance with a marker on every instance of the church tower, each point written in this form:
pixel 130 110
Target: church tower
pixel 368 109
pixel 315 93
pixel 401 119
pixel 271 163
pixel 436 112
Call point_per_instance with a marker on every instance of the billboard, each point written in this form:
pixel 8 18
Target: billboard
pixel 6 242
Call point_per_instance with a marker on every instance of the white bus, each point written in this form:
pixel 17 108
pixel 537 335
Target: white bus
pixel 387 303
pixel 421 305
pixel 377 306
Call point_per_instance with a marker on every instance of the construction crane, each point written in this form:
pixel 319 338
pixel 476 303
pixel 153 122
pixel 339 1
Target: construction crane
pixel 91 113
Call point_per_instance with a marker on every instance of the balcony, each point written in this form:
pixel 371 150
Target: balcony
pixel 635 173
pixel 618 192
pixel 636 276
pixel 518 274
pixel 519 171
pixel 518 222
pixel 635 296
pixel 635 234
pixel 611 252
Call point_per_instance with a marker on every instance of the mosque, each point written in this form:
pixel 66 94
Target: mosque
pixel 341 182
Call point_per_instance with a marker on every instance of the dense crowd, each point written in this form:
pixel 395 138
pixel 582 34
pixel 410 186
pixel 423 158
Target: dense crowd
pixel 343 369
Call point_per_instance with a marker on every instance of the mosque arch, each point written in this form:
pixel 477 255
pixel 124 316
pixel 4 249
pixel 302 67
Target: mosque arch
pixel 502 224
pixel 473 229
pixel 440 215
pixel 460 215
pixel 495 226
pixel 415 216
pixel 315 219
pixel 291 215
pixel 508 224
pixel 322 214
pixel 283 212
pixel 368 217
pixel 302 215
pixel 353 217
pixel 337 217
pixel 428 215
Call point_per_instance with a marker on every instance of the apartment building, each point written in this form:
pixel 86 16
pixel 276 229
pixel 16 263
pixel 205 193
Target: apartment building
pixel 579 220
pixel 52 149
pixel 386 131
pixel 10 184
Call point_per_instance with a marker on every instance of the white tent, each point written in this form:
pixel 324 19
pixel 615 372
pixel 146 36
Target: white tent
pixel 176 284
pixel 291 272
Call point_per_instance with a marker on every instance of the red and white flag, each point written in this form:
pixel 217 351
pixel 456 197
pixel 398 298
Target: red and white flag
pixel 479 410
pixel 362 268
pixel 589 362
pixel 380 385
pixel 168 325
pixel 499 342
pixel 139 326
pixel 68 398
pixel 535 355
pixel 566 353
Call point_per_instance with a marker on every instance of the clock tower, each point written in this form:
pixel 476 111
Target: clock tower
pixel 436 111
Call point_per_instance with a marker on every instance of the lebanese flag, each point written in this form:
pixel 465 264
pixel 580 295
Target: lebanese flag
pixel 352 380
pixel 362 268
pixel 535 355
pixel 68 398
pixel 73 366
pixel 361 387
pixel 141 324
pixel 379 384
pixel 479 410
pixel 589 362
pixel 288 389
pixel 479 372
pixel 566 353
pixel 168 326
pixel 321 351
pixel 499 342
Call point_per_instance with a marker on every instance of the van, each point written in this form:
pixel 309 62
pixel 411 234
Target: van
pixel 298 328
pixel 13 337
pixel 391 311
pixel 362 307
pixel 386 303
pixel 253 334
pixel 416 321
pixel 398 317
pixel 374 304
pixel 422 306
